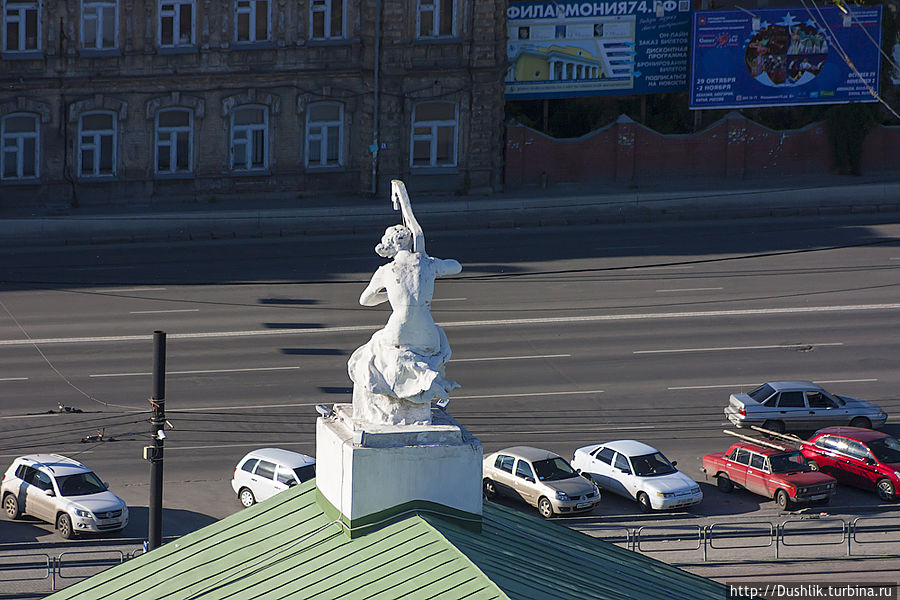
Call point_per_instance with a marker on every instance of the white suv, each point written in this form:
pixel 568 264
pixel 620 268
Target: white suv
pixel 61 491
pixel 263 473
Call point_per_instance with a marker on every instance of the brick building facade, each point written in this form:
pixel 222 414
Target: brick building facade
pixel 105 101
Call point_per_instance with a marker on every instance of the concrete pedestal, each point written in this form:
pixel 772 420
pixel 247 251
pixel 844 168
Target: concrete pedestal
pixel 370 473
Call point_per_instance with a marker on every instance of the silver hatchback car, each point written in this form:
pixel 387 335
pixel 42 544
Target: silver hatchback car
pixel 800 406
pixel 540 478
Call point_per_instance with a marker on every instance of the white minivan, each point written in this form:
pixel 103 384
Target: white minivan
pixel 263 473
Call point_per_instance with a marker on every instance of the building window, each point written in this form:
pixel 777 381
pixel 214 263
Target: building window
pixel 324 135
pixel 252 20
pixel 249 138
pixel 19 134
pixel 97 144
pixel 176 23
pixel 21 26
pixel 99 19
pixel 174 141
pixel 436 18
pixel 326 19
pixel 434 135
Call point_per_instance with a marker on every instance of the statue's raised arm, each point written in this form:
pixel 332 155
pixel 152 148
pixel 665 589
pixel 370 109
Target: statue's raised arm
pixel 402 203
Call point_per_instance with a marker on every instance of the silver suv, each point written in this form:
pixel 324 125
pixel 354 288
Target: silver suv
pixel 61 491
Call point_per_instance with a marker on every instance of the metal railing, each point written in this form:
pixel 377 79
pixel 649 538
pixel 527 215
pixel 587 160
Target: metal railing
pixel 862 536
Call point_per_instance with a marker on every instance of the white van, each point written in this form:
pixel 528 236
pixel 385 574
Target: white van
pixel 263 473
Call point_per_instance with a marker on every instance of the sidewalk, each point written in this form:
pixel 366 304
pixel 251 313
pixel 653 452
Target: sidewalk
pixel 559 204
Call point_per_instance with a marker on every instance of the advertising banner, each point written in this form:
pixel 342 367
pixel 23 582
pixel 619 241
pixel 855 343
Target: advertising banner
pixel 777 57
pixel 565 48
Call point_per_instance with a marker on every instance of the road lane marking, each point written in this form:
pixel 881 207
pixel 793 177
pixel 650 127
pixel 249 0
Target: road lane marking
pixel 137 289
pixel 483 323
pixel 753 385
pixel 700 289
pixel 448 299
pixel 562 432
pixel 13 379
pixel 199 372
pixel 525 394
pixel 154 312
pixel 487 358
pixel 727 348
pixel 104 267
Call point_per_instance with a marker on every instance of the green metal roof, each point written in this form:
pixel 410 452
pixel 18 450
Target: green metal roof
pixel 287 548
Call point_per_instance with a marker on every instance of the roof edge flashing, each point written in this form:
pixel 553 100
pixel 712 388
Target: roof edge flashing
pixel 355 528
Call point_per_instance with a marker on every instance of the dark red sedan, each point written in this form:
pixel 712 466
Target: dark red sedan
pixel 859 457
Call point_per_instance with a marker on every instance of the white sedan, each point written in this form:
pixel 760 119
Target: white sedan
pixel 637 471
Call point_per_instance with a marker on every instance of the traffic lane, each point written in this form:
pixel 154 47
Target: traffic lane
pixel 579 367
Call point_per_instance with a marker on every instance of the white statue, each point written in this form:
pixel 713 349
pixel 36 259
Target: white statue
pixel 400 371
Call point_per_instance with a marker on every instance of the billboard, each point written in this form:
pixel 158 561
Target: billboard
pixel 565 48
pixel 777 57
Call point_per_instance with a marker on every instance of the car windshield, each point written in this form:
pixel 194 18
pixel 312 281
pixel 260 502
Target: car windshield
pixel 651 465
pixel 81 484
pixel 762 392
pixel 305 472
pixel 788 462
pixel 886 450
pixel 553 469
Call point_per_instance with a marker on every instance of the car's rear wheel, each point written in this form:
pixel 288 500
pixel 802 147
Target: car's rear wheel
pixel 861 422
pixel 545 507
pixel 885 489
pixel 782 500
pixel 776 426
pixel 11 506
pixel 813 465
pixel 724 483
pixel 644 502
pixel 490 489
pixel 64 526
pixel 246 497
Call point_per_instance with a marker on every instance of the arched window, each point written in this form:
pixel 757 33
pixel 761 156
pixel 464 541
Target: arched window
pixel 434 133
pixel 19 145
pixel 324 134
pixel 249 138
pixel 97 144
pixel 174 141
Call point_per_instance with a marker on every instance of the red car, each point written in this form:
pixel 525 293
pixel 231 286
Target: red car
pixel 778 473
pixel 859 457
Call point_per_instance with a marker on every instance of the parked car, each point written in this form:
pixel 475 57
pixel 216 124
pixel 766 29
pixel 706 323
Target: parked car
pixel 61 491
pixel 262 473
pixel 800 406
pixel 639 472
pixel 540 478
pixel 779 473
pixel 858 457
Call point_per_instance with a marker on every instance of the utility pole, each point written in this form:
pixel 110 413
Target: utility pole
pixel 154 453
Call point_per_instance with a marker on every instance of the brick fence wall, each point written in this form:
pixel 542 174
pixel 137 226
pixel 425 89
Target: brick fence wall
pixel 733 147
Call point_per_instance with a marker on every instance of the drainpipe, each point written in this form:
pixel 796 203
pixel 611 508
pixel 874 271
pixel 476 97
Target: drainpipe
pixel 375 104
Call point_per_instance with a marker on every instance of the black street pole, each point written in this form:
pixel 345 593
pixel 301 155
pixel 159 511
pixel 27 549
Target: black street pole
pixel 158 431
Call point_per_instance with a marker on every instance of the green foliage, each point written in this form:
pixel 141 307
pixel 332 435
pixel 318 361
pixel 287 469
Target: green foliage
pixel 847 126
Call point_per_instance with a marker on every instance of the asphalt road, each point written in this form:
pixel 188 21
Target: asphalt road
pixel 560 337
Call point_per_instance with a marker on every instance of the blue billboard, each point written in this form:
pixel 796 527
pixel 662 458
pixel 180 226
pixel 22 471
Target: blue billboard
pixel 777 57
pixel 565 48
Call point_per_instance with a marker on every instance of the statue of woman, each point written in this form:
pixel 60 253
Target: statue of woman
pixel 400 371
